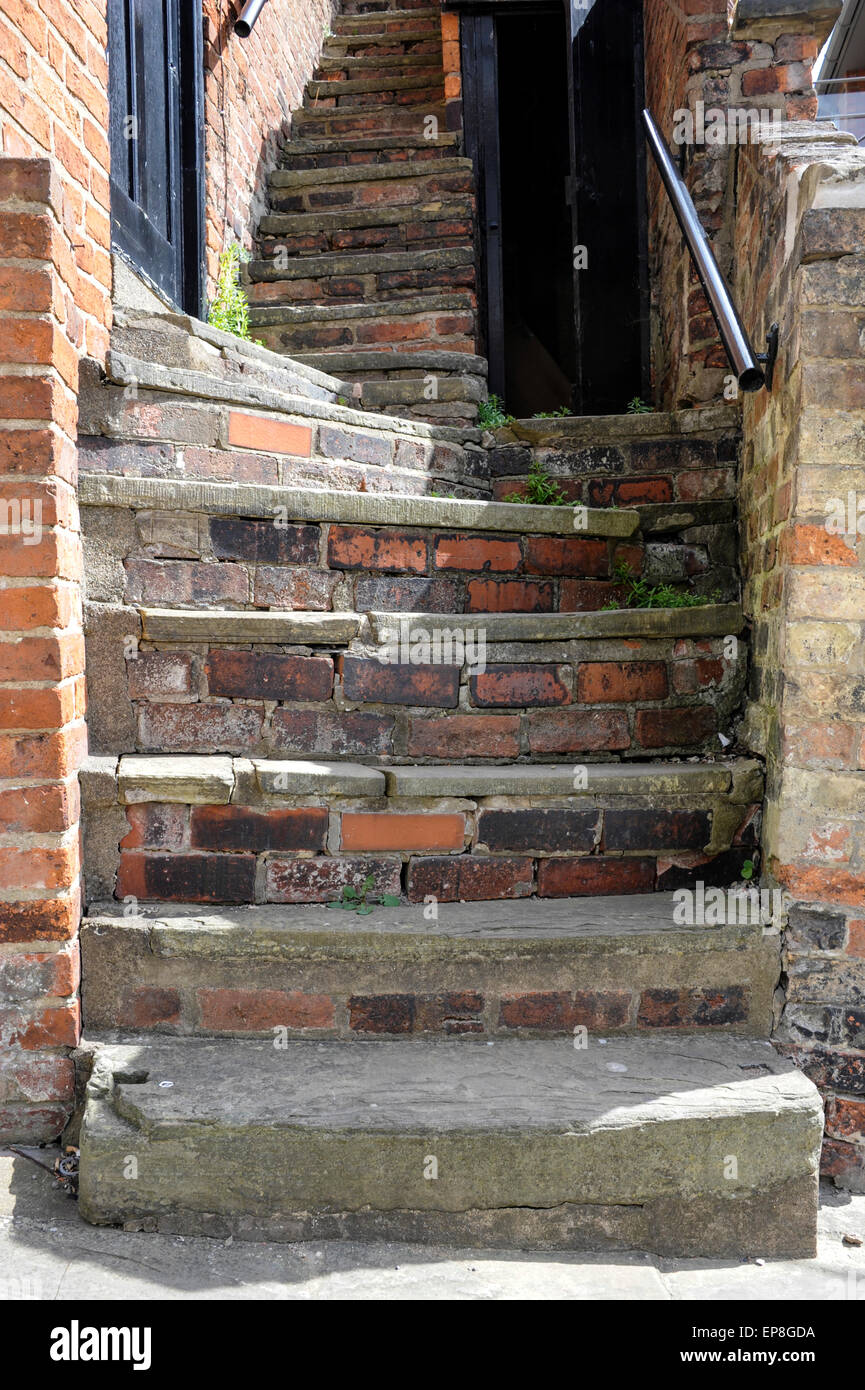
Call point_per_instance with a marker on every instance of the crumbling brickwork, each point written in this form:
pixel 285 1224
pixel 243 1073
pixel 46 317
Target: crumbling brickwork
pixel 801 217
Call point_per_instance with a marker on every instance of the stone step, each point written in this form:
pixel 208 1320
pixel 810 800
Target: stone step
pixel 366 149
pixel 531 1145
pixel 415 227
pixel 360 276
pixel 381 364
pixel 217 829
pixel 361 187
pixel 369 7
pixel 629 964
pixel 323 122
pixel 340 67
pixel 421 20
pixel 437 319
pixel 427 84
pixel 292 179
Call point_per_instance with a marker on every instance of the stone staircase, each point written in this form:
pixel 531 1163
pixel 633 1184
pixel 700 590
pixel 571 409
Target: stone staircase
pixel 366 261
pixel 311 676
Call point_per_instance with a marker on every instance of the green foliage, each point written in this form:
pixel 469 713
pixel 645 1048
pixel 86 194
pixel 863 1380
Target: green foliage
pixel 541 491
pixel 563 412
pixel 491 414
pixel 747 869
pixel 229 310
pixel 641 594
pixel 363 902
pixel 636 406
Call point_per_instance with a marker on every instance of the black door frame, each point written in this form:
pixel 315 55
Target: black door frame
pixel 176 271
pixel 481 127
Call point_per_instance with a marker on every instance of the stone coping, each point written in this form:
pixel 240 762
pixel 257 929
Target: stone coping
pixel 366 173
pixel 612 429
pixel 246 625
pixel 363 508
pixel 711 620
pixel 219 779
pixel 626 924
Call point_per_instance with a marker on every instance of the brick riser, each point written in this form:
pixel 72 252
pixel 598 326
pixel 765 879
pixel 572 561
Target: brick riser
pixel 329 980
pixel 308 854
pixel 634 699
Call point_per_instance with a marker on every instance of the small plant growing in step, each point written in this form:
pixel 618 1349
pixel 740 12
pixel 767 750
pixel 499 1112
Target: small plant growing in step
pixel 229 308
pixel 747 870
pixel 541 491
pixel 361 900
pixel 637 406
pixel 491 414
pixel 639 593
pixel 564 412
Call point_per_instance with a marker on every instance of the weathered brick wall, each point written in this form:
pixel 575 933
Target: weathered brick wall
pixel 802 216
pixel 758 59
pixel 55 277
pixel 251 87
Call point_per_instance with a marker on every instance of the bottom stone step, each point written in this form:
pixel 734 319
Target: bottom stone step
pixel 684 1147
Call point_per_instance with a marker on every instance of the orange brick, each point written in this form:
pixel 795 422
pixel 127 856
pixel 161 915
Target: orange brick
pixel 43 755
pixel 58 1027
pixel 37 709
pixel 477 553
pixel 38 810
pixel 38 605
pixel 53 919
pixel 268 435
pixel 43 658
pixel 374 831
pixel 856 937
pixel 814 545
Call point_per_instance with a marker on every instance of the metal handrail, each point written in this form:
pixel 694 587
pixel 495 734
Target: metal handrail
pixel 753 370
pixel 243 25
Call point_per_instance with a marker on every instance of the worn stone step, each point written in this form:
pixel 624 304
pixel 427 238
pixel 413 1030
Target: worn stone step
pixel 322 122
pixel 359 173
pixel 352 276
pixel 248 625
pixel 373 509
pixel 533 1144
pixel 382 364
pixel 341 67
pixel 710 620
pixel 626 965
pixel 436 319
pixel 421 20
pixel 366 149
pixel 279 225
pixel 415 86
pixel 220 829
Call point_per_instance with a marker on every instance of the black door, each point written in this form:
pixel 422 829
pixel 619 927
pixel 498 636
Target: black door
pixel 156 133
pixel 552 96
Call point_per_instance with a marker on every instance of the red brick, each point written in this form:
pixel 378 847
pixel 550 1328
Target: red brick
pixel 36 1079
pixel 560 1012
pixel 633 828
pixel 578 731
pixel 32 975
pixel 201 728
pixel 382 831
pixel 532 829
pixel 263 542
pixel 194 878
pixel 464 878
pixel 358 547
pixel 571 555
pixel 147 1006
pixel 53 919
pixel 577 878
pixel 856 937
pixel 58 1026
pixel 231 828
pixel 509 596
pixel 322 880
pixel 248 675
pixel 587 595
pixel 845 1118
pixel 153 825
pixel 814 545
pixel 267 435
pixel 661 728
pixel 600 682
pixel 371 682
pixel 38 809
pixel 460 736
pixel 841 1160
pixel 518 687
pixel 343 733
pixel 160 675
pixel 477 553
pixel 451 1012
pixel 693 1008
pixel 262 1010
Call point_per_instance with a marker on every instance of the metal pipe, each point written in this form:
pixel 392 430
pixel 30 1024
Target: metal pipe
pixel 245 21
pixel 733 335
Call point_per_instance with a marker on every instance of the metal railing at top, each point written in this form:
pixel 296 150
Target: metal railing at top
pixel 753 370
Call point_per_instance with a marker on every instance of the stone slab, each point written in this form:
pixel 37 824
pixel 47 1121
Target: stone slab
pixel 365 508
pixel 197 781
pixel 713 620
pixel 558 779
pixel 285 778
pixel 239 625
pixel 320 1136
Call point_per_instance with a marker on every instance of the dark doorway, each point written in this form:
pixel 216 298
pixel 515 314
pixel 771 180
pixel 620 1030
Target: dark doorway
pixel 156 105
pixel 552 96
